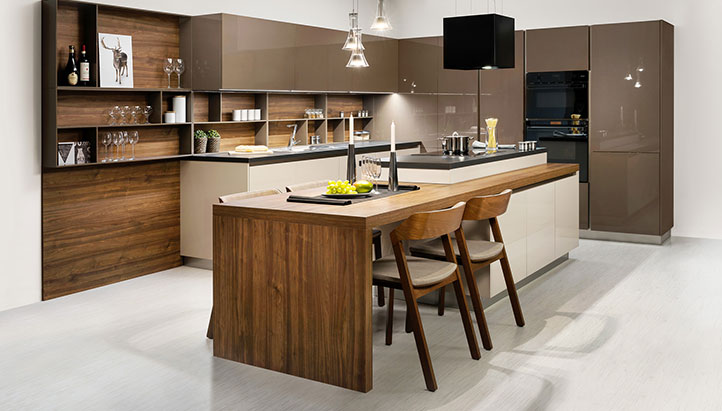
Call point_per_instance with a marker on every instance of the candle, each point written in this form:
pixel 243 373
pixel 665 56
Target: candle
pixel 350 130
pixel 393 136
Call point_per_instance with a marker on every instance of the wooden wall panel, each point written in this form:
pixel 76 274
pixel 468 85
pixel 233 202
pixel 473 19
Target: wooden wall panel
pixel 107 224
pixel 289 106
pixel 90 108
pixel 233 134
pixel 347 104
pixel 236 101
pixel 155 37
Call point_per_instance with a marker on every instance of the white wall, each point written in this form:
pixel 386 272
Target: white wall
pixel 20 235
pixel 698 84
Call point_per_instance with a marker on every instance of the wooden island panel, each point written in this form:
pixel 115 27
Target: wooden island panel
pixel 292 282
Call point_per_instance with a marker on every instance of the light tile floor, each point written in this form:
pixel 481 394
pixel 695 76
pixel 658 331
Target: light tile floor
pixel 618 326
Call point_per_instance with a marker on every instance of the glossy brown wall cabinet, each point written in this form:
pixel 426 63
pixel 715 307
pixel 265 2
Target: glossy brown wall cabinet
pixel 631 127
pixel 244 53
pixel 557 49
pixel 502 96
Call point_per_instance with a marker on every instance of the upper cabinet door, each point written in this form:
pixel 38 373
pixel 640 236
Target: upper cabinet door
pixel 311 57
pixel 382 56
pixel 558 49
pixel 257 54
pixel 419 61
pixel 502 96
pixel 455 81
pixel 625 87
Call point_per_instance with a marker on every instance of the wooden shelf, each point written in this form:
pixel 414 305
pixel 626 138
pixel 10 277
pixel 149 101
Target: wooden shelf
pixel 229 122
pixel 119 89
pixel 65 127
pixel 137 160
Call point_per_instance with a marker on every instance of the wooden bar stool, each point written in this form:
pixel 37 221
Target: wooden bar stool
pixel 375 233
pixel 229 199
pixel 420 276
pixel 476 254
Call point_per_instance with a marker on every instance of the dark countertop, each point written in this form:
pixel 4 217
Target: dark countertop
pixel 321 151
pixel 439 161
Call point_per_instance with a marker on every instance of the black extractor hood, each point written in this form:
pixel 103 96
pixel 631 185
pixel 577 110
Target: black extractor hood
pixel 479 42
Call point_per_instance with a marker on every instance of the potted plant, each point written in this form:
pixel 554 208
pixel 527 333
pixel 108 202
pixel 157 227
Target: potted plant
pixel 214 141
pixel 199 142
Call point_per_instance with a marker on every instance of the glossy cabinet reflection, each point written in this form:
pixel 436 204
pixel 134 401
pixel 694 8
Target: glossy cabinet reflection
pixel 625 193
pixel 557 49
pixel 381 75
pixel 625 87
pixel 502 96
pixel 257 54
pixel 419 61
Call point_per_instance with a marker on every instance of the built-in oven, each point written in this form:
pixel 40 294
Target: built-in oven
pixel 565 141
pixel 557 95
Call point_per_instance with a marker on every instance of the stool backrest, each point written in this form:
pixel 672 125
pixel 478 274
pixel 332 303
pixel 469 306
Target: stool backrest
pixel 249 194
pixel 430 224
pixel 486 207
pixel 306 186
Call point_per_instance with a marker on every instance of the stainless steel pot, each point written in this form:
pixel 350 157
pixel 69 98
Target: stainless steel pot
pixel 456 144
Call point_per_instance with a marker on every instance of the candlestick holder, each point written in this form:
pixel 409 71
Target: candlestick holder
pixel 351 164
pixel 393 173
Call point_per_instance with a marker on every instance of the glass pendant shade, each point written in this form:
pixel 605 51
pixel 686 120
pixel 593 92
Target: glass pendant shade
pixel 357 59
pixel 381 22
pixel 353 40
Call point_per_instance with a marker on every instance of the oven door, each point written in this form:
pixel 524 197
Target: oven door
pixel 563 145
pixel 556 101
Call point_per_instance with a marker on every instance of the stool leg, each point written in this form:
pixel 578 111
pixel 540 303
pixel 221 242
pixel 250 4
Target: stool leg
pixel 390 318
pixel 209 333
pixel 466 318
pixel 380 295
pixel 474 291
pixel 511 289
pixel 442 300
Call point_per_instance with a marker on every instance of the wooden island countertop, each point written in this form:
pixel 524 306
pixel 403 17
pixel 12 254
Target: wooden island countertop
pixel 292 281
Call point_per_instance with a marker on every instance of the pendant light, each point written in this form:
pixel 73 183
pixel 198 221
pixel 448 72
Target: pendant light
pixel 353 31
pixel 381 22
pixel 357 59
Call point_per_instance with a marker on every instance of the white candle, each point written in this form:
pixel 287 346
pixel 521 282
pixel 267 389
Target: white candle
pixel 393 136
pixel 350 130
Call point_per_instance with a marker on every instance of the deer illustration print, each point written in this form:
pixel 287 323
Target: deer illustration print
pixel 120 60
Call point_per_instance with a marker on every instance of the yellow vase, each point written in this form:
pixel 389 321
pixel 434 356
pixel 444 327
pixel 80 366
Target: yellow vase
pixel 491 144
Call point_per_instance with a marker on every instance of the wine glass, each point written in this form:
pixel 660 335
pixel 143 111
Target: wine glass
pixel 114 115
pixel 117 137
pixel 168 68
pixel 106 139
pixel 179 67
pixel 125 115
pixel 137 112
pixel 147 110
pixel 133 138
pixel 376 171
pixel 123 142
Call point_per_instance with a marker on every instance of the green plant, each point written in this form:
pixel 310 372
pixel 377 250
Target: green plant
pixel 213 134
pixel 200 134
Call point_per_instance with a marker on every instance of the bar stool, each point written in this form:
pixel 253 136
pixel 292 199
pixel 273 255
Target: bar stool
pixel 476 254
pixel 419 276
pixel 228 199
pixel 375 233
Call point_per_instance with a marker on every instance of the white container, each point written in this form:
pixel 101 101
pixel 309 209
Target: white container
pixel 244 115
pixel 169 117
pixel 179 106
pixel 237 115
pixel 257 114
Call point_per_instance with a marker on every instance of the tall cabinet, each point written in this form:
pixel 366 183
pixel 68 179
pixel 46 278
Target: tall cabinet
pixel 631 127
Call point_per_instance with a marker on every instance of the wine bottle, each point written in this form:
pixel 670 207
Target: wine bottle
pixel 71 69
pixel 84 68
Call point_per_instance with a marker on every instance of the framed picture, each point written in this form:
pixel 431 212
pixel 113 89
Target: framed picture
pixel 66 153
pixel 116 60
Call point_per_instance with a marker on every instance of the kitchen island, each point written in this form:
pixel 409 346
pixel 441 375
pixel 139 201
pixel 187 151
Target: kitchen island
pixel 292 282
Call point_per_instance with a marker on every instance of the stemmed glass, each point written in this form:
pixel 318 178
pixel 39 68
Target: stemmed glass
pixel 376 170
pixel 133 138
pixel 106 140
pixel 371 169
pixel 123 142
pixel 179 67
pixel 147 110
pixel 117 138
pixel 125 114
pixel 114 115
pixel 168 68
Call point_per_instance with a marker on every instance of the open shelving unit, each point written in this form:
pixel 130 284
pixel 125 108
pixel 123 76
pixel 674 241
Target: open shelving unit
pixel 77 113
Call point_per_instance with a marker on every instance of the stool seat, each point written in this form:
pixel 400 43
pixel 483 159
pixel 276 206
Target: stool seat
pixel 423 272
pixel 479 250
